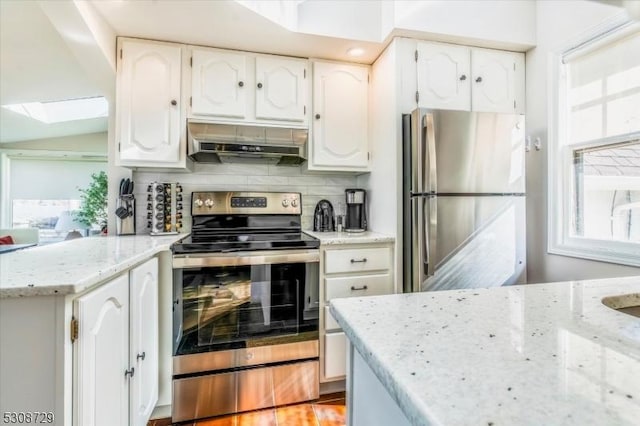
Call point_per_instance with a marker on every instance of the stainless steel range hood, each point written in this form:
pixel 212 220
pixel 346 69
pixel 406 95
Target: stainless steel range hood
pixel 231 143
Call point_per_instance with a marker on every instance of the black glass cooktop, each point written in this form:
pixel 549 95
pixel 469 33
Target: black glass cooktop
pixel 222 243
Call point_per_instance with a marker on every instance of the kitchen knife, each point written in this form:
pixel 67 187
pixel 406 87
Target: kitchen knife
pixel 130 188
pixel 123 188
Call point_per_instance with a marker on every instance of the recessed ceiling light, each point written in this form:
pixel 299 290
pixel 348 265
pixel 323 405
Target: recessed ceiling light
pixel 61 111
pixel 355 51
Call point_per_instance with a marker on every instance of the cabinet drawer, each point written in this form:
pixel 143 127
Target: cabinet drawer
pixel 357 260
pixel 335 355
pixel 329 322
pixel 367 285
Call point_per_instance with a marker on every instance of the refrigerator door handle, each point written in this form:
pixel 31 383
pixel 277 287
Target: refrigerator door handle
pixel 417 156
pixel 430 174
pixel 418 268
pixel 431 237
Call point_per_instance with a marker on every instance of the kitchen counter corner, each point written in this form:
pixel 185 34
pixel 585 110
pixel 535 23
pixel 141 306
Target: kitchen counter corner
pixel 527 354
pixel 338 238
pixel 76 265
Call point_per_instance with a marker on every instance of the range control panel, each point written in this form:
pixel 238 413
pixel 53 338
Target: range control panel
pixel 217 202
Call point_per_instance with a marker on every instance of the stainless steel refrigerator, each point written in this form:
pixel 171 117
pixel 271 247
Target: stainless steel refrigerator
pixel 464 200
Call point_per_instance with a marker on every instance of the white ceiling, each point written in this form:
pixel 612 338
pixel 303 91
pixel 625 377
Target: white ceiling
pixel 225 24
pixel 37 65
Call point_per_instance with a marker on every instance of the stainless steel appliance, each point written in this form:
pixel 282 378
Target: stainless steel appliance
pixel 356 220
pixel 231 143
pixel 246 300
pixel 464 200
pixel 164 208
pixel 323 217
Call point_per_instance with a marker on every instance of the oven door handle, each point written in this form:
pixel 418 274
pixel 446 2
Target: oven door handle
pixel 241 258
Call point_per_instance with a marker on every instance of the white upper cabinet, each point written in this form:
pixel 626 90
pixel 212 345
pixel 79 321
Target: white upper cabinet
pixel 340 124
pixel 144 341
pixel 497 80
pixel 218 84
pixel 469 79
pixel 280 88
pixel 242 87
pixel 444 72
pixel 149 125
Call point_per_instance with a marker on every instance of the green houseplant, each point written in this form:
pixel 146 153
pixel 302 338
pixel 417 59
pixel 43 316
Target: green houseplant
pixel 93 207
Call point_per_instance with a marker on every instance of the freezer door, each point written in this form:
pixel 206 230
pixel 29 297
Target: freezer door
pixel 473 242
pixel 471 152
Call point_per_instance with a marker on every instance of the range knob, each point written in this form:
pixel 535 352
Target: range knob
pixel 198 202
pixel 294 203
pixel 285 203
pixel 208 202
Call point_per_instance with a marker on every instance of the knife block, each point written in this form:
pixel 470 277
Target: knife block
pixel 126 225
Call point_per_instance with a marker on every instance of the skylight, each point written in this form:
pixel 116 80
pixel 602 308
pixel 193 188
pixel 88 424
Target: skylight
pixel 61 111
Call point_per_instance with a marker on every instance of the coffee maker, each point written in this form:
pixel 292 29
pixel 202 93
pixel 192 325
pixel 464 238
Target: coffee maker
pixel 356 220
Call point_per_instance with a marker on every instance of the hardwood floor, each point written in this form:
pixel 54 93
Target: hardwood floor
pixel 329 410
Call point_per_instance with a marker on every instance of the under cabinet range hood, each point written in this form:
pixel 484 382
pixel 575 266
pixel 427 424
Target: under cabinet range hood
pixel 232 143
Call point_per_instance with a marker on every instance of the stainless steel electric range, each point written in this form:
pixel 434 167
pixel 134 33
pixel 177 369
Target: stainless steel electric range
pixel 245 328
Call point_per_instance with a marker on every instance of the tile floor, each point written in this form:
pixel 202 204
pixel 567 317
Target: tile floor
pixel 329 410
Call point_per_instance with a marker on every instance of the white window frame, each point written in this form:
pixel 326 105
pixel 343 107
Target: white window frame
pixel 560 170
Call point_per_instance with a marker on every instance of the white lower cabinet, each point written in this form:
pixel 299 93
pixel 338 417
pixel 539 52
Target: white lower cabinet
pixel 116 356
pixel 350 270
pixel 103 350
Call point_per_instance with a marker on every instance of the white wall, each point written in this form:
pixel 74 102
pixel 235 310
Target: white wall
pixel 387 104
pixel 558 22
pixel 89 143
pixel 497 23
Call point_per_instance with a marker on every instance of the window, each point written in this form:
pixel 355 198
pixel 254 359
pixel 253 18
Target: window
pixel 42 190
pixel 594 159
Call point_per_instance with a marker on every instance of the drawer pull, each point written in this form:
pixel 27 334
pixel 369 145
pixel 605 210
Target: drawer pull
pixel 363 260
pixel 364 287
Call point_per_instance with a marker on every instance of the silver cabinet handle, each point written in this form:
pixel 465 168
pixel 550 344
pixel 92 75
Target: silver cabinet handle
pixel 141 356
pixel 129 372
pixel 363 260
pixel 364 287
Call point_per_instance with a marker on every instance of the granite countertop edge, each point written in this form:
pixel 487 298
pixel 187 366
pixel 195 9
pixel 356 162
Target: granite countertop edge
pixel 95 275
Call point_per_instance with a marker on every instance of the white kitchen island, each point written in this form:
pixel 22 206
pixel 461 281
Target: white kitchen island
pixel 74 318
pixel 542 354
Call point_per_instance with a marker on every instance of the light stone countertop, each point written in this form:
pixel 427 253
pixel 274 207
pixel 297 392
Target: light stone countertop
pixel 337 238
pixel 73 266
pixel 541 354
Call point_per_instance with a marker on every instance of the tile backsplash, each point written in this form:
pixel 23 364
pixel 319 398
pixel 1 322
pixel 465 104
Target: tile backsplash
pixel 245 177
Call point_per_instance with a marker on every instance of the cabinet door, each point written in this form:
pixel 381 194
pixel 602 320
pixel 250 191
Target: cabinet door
pixel 144 341
pixel 102 391
pixel 218 84
pixel 280 89
pixel 340 108
pixel 148 103
pixel 498 81
pixel 335 355
pixel 444 76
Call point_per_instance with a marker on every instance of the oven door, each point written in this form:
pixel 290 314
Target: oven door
pixel 231 301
